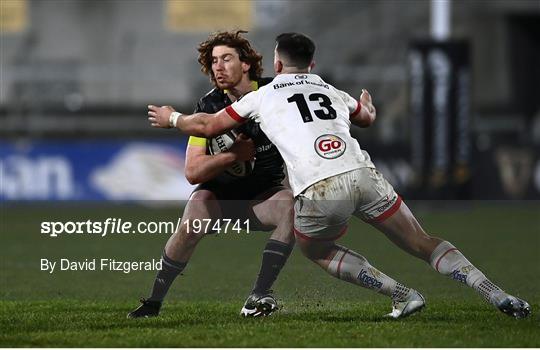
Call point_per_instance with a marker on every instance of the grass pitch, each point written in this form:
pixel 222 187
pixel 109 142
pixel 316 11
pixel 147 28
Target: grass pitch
pixel 88 309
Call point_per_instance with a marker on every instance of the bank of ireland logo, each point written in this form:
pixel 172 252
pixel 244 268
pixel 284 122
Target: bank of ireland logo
pixel 330 146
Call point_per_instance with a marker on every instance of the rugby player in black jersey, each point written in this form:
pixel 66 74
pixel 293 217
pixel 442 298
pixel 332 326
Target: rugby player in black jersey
pixel 234 68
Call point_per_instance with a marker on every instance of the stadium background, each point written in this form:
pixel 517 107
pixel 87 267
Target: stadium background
pixel 458 134
pixel 80 73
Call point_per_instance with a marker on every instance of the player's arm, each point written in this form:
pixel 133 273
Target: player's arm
pixel 198 124
pixel 365 113
pixel 202 167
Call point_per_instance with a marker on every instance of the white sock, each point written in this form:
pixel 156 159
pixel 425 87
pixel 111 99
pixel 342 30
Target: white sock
pixel 352 267
pixel 449 261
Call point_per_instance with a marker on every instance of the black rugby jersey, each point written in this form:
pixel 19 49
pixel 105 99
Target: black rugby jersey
pixel 269 166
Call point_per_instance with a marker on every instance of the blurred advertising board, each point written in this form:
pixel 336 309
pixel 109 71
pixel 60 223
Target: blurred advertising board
pixel 93 170
pixel 100 170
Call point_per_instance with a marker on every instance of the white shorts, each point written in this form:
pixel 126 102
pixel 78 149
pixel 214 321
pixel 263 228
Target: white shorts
pixel 322 211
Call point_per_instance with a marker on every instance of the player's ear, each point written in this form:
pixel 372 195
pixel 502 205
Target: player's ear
pixel 245 67
pixel 278 66
pixel 311 65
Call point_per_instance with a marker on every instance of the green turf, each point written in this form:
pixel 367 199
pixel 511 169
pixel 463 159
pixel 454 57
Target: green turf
pixel 87 309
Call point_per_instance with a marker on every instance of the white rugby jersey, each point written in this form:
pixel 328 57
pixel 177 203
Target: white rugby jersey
pixel 309 122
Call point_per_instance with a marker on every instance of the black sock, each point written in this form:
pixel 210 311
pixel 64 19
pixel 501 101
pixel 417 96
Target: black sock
pixel 275 255
pixel 165 277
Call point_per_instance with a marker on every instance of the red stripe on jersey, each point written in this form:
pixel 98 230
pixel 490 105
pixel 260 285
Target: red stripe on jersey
pixel 232 113
pixel 442 256
pixel 389 212
pixel 356 111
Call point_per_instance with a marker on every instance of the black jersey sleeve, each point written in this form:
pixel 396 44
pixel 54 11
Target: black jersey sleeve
pixel 198 108
pixel 269 165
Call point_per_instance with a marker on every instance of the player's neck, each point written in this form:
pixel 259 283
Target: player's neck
pixel 293 70
pixel 243 87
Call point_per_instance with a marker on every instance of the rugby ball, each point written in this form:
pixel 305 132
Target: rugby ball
pixel 223 143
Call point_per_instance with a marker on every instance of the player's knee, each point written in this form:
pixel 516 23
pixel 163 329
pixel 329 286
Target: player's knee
pixel 312 250
pixel 285 236
pixel 424 245
pixel 189 236
pixel 306 251
pixel 431 243
pixel 183 239
pixel 189 233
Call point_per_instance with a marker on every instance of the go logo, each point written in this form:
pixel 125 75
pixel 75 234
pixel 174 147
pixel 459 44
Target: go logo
pixel 330 146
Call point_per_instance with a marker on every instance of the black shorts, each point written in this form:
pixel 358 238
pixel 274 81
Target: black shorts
pixel 236 199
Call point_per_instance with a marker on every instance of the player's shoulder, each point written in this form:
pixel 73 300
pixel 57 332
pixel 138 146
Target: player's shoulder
pixel 323 81
pixel 213 95
pixel 212 101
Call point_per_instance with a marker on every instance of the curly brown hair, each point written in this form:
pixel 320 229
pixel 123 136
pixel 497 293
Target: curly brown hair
pixel 234 40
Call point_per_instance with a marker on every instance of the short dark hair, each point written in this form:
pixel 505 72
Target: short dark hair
pixel 236 41
pixel 297 49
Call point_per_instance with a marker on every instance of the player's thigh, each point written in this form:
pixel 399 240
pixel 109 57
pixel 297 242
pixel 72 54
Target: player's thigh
pixel 403 229
pixel 202 205
pixel 401 224
pixel 274 206
pixel 379 205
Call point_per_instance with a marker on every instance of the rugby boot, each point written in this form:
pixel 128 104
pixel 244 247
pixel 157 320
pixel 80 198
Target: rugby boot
pixel 511 305
pixel 414 303
pixel 259 305
pixel 148 308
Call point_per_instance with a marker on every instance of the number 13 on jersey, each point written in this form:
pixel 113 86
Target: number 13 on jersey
pixel 325 113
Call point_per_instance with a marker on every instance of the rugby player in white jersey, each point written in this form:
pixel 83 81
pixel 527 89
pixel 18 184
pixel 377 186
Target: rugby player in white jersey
pixel 333 178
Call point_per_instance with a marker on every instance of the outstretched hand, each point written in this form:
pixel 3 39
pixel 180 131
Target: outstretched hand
pixel 368 109
pixel 159 116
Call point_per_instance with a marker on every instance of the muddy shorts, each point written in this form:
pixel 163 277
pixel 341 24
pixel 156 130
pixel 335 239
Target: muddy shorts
pixel 322 211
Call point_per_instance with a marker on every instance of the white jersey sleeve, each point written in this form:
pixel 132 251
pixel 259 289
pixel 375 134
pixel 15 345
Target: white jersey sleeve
pixel 353 105
pixel 245 108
